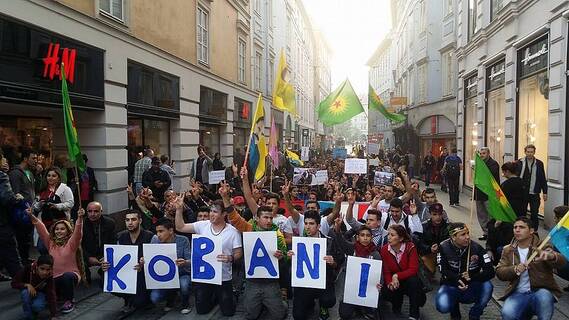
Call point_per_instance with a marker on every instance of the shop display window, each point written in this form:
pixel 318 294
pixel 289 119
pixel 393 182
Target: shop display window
pixel 495 124
pixel 149 132
pixel 17 133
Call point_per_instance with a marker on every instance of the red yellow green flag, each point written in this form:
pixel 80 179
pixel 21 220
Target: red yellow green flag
pixel 73 149
pixel 498 205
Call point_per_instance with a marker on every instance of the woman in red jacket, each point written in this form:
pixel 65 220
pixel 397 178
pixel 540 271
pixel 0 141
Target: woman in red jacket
pixel 400 268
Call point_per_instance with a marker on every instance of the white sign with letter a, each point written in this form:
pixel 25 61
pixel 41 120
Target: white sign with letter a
pixel 258 250
pixel 362 277
pixel 121 276
pixel 160 269
pixel 308 265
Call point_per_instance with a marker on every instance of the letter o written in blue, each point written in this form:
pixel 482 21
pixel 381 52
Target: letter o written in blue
pixel 171 268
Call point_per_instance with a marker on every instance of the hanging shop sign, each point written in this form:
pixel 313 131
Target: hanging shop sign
pixel 496 75
pixel 534 57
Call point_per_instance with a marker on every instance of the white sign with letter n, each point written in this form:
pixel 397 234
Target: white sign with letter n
pixel 308 265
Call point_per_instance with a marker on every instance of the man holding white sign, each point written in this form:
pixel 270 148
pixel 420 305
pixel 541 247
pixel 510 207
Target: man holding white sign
pixel 262 287
pixel 208 294
pixel 165 234
pixel 134 235
pixel 304 296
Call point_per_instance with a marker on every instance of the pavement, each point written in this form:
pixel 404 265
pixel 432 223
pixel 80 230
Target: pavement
pixel 94 304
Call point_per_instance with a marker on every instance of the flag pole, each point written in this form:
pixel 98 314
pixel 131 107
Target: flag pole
pixel 472 205
pixel 75 163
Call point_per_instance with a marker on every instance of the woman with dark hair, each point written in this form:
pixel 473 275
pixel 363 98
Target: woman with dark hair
pixel 369 195
pixel 400 272
pixel 513 188
pixel 217 163
pixel 56 199
pixel 64 244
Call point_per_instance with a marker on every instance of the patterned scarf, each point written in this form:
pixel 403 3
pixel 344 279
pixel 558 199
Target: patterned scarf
pixel 364 251
pixel 281 243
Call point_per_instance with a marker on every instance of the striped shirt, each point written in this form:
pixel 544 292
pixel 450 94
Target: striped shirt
pixel 140 167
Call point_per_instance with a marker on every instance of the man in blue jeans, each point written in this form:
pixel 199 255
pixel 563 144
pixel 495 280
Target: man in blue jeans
pixel 165 234
pixel 464 278
pixel 532 289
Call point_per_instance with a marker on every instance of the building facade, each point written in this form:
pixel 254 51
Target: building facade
pixel 381 79
pixel 424 39
pixel 512 85
pixel 166 75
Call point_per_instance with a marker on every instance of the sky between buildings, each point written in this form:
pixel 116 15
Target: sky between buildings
pixel 354 29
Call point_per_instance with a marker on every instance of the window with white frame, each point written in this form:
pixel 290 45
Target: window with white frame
pixel 258 61
pixel 473 26
pixel 423 17
pixel 447 7
pixel 422 82
pixel 113 8
pixel 448 73
pixel 203 35
pixel 497 5
pixel 242 52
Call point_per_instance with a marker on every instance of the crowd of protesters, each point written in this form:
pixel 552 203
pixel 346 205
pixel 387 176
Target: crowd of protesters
pixel 405 227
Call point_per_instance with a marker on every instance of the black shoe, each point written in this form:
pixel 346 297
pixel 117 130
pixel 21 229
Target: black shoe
pixel 483 238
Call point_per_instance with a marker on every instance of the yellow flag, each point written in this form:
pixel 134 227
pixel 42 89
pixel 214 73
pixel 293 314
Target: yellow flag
pixel 258 150
pixel 283 93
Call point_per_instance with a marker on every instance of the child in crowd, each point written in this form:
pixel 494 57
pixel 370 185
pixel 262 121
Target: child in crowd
pixel 37 287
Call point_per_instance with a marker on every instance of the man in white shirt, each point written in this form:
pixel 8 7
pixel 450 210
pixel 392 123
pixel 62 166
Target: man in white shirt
pixel 207 294
pixel 411 223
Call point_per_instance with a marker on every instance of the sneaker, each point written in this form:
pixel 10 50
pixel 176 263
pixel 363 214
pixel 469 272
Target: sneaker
pixel 68 307
pixel 186 308
pixel 324 314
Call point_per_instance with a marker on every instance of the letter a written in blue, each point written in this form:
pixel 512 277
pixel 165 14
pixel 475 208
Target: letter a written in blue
pixel 302 258
pixel 262 261
pixel 200 268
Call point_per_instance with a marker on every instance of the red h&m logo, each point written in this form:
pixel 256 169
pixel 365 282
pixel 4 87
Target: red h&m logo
pixel 51 63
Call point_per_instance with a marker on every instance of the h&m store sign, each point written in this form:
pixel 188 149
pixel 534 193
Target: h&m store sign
pixel 30 64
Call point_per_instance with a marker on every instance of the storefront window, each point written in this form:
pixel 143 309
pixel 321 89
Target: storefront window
pixel 470 126
pixel 533 116
pixel 210 138
pixel 495 111
pixel 213 103
pixel 150 133
pixel 25 133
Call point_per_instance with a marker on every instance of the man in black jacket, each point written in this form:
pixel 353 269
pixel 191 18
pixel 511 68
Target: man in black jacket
pixel 435 231
pixel 98 230
pixel 464 278
pixel 23 181
pixel 9 257
pixel 157 180
pixel 533 175
pixel 480 197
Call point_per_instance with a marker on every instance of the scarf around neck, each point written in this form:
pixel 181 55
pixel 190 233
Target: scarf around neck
pixel 364 251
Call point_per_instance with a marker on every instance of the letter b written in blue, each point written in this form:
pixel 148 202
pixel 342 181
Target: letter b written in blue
pixel 200 268
pixel 302 258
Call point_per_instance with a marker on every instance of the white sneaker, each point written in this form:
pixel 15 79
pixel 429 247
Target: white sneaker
pixel 186 310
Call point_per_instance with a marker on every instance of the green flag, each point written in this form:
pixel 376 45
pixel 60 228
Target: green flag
pixel 374 102
pixel 498 205
pixel 73 149
pixel 339 106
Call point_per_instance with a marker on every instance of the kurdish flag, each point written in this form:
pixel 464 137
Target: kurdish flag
pixel 73 149
pixel 498 205
pixel 560 235
pixel 283 93
pixel 374 102
pixel 340 106
pixel 294 158
pixel 258 147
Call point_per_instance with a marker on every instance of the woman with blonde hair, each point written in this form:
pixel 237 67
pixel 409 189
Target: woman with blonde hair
pixel 63 243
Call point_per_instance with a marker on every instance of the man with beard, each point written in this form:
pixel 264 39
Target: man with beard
pixel 134 235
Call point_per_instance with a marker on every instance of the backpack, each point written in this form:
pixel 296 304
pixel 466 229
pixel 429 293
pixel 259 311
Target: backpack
pixel 452 169
pixel 405 222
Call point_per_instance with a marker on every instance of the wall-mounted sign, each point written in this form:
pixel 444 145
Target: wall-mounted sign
pixel 534 57
pixel 398 101
pixel 496 75
pixel 471 86
pixel 52 62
